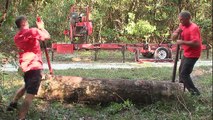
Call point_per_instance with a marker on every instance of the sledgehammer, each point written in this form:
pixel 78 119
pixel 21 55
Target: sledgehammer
pixel 46 52
pixel 176 60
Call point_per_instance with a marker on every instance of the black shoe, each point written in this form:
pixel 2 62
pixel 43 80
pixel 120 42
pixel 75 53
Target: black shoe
pixel 180 81
pixel 195 92
pixel 12 106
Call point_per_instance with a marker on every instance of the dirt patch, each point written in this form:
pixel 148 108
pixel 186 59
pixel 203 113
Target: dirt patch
pixel 200 72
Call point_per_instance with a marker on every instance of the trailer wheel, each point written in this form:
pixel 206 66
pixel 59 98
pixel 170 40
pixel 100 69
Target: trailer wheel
pixel 161 53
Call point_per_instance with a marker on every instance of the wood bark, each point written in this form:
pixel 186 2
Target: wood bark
pixel 101 91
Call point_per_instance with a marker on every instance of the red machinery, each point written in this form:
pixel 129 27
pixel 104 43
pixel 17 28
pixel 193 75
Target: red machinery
pixel 81 27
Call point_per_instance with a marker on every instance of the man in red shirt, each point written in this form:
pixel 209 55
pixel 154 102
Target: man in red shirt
pixel 30 59
pixel 191 44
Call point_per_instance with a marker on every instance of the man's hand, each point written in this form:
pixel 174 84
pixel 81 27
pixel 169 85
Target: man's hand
pixel 180 42
pixel 40 24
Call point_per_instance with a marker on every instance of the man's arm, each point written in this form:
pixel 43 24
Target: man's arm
pixel 194 40
pixel 176 33
pixel 43 32
pixel 194 43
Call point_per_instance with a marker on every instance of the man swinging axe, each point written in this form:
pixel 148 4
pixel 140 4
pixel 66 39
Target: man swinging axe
pixel 191 44
pixel 30 59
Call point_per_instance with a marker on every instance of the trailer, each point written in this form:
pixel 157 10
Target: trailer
pixel 80 27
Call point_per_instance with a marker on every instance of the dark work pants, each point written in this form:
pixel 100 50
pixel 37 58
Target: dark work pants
pixel 185 69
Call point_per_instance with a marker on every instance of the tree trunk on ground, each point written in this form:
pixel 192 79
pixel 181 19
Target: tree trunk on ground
pixel 95 91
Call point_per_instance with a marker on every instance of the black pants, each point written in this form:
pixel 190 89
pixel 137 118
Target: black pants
pixel 185 69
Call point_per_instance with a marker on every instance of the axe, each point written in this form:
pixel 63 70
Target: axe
pixel 45 50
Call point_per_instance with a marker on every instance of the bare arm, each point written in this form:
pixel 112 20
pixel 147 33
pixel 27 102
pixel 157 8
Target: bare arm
pixel 43 32
pixel 193 41
pixel 176 33
pixel 189 43
pixel 174 36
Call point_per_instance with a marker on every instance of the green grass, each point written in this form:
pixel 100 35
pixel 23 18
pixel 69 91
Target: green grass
pixel 106 56
pixel 204 55
pixel 102 56
pixel 185 108
pixel 131 74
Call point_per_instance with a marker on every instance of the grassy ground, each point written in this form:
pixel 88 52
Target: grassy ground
pixel 187 107
pixel 106 56
pixel 89 56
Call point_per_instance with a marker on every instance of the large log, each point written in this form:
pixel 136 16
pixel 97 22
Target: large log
pixel 95 91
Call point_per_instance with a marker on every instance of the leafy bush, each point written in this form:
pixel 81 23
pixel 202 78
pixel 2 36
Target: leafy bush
pixel 140 28
pixel 56 18
pixel 109 34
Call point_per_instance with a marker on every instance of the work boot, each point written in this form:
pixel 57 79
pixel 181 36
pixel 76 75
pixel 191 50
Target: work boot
pixel 180 80
pixel 12 106
pixel 194 92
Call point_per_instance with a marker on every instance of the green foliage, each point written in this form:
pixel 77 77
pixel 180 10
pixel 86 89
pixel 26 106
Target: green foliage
pixel 115 108
pixel 152 20
pixel 56 18
pixel 1 83
pixel 141 28
pixel 206 25
pixel 124 39
pixel 109 34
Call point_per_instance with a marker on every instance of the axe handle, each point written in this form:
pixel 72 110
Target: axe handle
pixel 176 60
pixel 47 57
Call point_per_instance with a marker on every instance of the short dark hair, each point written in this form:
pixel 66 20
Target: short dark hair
pixel 19 19
pixel 185 14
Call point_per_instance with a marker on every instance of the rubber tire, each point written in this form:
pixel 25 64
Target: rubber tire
pixel 165 53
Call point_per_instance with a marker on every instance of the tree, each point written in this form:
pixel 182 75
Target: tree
pixel 111 19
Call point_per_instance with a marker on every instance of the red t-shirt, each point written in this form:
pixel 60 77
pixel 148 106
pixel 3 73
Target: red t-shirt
pixel 191 33
pixel 30 55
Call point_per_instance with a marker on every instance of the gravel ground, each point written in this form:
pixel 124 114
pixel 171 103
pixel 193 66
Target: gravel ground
pixel 95 65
